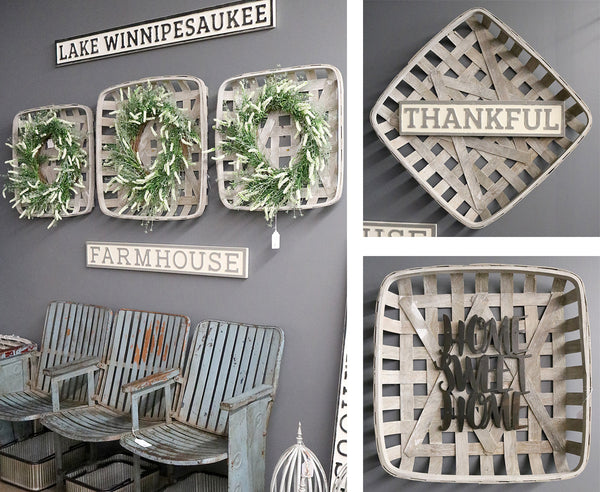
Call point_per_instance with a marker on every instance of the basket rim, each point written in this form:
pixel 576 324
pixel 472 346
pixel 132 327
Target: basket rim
pixel 340 134
pixel 202 164
pixel 533 53
pixel 585 362
pixel 91 157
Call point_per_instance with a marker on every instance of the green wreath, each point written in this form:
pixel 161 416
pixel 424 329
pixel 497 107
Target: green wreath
pixel 150 191
pixel 31 190
pixel 259 185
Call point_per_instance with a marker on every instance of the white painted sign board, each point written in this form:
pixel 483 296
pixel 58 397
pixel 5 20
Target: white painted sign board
pixel 224 20
pixel 398 229
pixel 215 261
pixel 482 118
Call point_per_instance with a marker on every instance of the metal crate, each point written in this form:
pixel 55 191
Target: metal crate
pixel 111 475
pixel 201 482
pixel 30 463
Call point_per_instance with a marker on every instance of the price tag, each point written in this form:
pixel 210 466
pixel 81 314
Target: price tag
pixel 141 442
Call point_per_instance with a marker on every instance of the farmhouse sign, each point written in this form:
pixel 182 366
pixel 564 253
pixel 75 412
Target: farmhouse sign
pixel 398 229
pixel 482 118
pixel 213 261
pixel 234 18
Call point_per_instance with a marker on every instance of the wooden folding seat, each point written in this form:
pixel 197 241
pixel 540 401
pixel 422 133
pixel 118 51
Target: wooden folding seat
pixel 223 406
pixel 72 332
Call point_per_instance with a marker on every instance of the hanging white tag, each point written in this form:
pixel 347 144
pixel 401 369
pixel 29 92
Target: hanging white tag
pixel 50 143
pixel 308 469
pixel 275 235
pixel 275 240
pixel 141 442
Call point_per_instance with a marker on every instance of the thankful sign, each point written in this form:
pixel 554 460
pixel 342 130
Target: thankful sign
pixel 493 347
pixel 213 261
pixel 224 20
pixel 482 118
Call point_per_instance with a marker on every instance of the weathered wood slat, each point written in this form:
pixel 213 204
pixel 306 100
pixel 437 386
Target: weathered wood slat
pixel 72 331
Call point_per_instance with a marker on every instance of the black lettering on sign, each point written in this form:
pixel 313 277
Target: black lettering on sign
pixel 469 394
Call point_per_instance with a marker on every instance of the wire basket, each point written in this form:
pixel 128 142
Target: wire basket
pixel 277 139
pixel 82 117
pixel 544 436
pixel 478 57
pixel 30 464
pixel 114 474
pixel 190 95
pixel 200 482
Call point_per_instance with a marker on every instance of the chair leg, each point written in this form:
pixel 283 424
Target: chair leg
pixel 58 461
pixel 137 473
pixel 171 474
pixel 92 452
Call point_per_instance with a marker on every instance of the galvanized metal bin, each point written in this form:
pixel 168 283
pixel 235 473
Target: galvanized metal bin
pixel 111 475
pixel 200 482
pixel 30 463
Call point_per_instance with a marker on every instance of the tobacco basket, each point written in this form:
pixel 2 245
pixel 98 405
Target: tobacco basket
pixel 479 57
pixel 83 201
pixel 277 138
pixel 190 94
pixel 553 322
pixel 111 475
pixel 30 464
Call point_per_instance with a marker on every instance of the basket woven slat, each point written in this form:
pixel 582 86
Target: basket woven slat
pixel 277 138
pixel 190 95
pixel 477 57
pixel 551 310
pixel 83 201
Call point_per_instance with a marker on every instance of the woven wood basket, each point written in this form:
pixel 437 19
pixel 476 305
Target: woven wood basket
pixel 478 180
pixel 550 306
pixel 82 116
pixel 190 94
pixel 277 137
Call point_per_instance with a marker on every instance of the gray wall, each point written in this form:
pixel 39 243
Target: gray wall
pixel 300 288
pixel 567 35
pixel 375 269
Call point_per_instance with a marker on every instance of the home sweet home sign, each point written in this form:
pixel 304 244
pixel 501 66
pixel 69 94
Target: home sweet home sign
pixel 233 18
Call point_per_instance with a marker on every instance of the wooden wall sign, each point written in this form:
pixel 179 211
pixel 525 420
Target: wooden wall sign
pixel 482 118
pixel 339 461
pixel 214 261
pixel 224 20
pixel 398 229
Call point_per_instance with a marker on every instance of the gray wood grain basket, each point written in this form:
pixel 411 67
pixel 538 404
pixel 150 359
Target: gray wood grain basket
pixel 82 117
pixel 190 94
pixel 550 306
pixel 277 137
pixel 478 57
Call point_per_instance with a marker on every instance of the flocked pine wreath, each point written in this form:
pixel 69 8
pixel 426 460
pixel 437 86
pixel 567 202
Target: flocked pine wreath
pixel 153 191
pixel 32 191
pixel 258 184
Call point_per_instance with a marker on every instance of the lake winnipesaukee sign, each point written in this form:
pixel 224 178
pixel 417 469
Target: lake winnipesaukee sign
pixel 224 20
